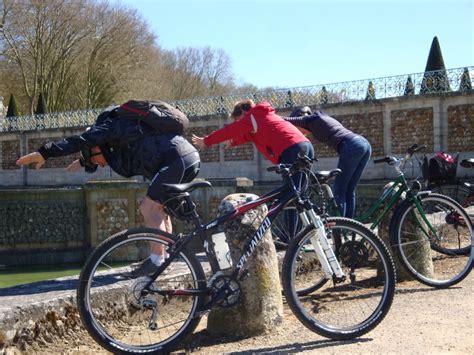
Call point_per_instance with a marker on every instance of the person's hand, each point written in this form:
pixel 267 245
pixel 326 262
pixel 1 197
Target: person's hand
pixel 198 142
pixel 74 166
pixel 227 144
pixel 32 158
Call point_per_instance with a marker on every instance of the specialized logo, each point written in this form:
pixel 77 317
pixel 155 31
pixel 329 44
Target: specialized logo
pixel 254 242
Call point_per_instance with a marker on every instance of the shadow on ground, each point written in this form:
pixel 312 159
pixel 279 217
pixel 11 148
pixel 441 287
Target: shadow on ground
pixel 200 340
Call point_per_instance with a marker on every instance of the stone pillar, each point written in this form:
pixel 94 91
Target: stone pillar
pixel 260 308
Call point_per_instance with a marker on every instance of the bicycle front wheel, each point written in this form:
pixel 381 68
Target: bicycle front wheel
pixel 343 309
pixel 122 318
pixel 285 227
pixel 434 241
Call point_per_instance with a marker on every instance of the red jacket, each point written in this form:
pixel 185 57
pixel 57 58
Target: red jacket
pixel 270 133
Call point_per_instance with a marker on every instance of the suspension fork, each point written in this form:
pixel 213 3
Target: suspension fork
pixel 320 242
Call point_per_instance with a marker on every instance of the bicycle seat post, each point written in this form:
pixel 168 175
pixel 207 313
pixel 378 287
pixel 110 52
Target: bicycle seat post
pixel 194 214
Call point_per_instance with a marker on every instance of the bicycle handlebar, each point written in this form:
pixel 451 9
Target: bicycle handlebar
pixel 415 148
pixel 392 160
pixel 280 168
pixel 382 160
pixel 303 162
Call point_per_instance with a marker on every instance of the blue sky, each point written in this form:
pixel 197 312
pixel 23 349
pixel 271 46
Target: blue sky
pixel 291 43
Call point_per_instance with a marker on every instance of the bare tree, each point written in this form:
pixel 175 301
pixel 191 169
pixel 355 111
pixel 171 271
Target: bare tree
pixel 40 37
pixel 75 52
pixel 199 72
pixel 90 53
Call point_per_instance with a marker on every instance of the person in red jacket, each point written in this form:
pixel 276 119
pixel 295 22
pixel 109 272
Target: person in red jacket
pixel 279 141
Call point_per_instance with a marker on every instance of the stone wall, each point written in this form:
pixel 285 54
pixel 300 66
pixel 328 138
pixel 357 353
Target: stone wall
pixel 56 225
pixel 47 225
pixel 71 220
pixel 391 125
pixel 461 127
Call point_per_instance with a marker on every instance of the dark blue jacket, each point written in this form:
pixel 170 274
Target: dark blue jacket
pixel 323 127
pixel 128 147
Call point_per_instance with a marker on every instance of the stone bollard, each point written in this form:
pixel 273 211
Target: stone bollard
pixel 260 308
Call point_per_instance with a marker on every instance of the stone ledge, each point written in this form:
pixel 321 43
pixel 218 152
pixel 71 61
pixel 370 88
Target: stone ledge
pixel 38 313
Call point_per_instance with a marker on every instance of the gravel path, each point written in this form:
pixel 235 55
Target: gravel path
pixel 422 320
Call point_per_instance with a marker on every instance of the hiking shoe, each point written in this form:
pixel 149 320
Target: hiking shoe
pixel 144 268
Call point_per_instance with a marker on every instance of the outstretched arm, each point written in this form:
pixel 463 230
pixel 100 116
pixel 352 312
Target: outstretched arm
pixel 198 142
pixel 32 158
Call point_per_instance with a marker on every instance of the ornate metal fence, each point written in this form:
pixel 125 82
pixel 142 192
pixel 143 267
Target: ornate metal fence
pixel 426 83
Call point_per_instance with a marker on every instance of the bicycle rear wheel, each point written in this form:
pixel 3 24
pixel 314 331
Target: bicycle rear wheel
pixel 458 192
pixel 348 309
pixel 114 310
pixel 434 244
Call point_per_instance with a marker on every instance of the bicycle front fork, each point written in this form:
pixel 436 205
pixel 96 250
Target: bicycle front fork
pixel 324 251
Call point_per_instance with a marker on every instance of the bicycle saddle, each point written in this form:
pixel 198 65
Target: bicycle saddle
pixel 186 187
pixel 467 163
pixel 323 175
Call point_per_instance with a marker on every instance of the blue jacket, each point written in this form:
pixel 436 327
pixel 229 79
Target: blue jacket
pixel 128 147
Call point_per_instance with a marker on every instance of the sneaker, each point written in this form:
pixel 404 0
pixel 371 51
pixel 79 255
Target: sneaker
pixel 144 268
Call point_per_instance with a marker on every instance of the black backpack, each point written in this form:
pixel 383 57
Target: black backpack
pixel 159 115
pixel 440 166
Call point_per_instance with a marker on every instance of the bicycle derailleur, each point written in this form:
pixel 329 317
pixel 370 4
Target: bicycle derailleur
pixel 226 290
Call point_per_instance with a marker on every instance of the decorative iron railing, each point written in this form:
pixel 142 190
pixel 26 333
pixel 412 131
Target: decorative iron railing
pixel 426 83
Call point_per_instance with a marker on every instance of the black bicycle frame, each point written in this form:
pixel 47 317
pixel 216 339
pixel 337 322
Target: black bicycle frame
pixel 281 196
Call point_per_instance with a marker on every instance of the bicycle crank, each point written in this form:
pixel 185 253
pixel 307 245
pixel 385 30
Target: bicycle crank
pixel 224 290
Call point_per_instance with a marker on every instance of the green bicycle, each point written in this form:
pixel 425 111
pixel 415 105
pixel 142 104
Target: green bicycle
pixel 430 234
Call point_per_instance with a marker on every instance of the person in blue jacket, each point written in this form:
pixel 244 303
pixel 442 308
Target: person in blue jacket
pixel 130 149
pixel 353 149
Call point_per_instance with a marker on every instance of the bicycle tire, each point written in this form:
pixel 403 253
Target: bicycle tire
pixel 351 308
pixel 440 260
pixel 458 192
pixel 110 304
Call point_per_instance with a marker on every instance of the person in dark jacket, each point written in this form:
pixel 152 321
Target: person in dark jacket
pixel 130 149
pixel 354 152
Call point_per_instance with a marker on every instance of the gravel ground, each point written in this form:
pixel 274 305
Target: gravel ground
pixel 422 320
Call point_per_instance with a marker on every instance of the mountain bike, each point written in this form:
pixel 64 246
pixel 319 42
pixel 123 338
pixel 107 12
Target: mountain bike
pixel 431 234
pixel 155 313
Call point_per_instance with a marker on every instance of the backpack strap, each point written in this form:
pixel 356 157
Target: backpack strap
pixel 134 110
